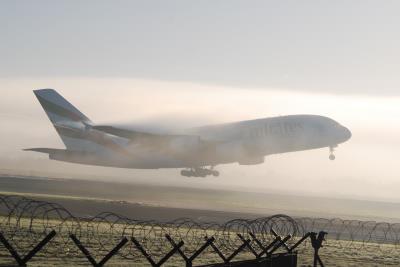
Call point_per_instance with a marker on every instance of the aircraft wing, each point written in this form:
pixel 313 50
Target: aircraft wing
pixel 175 144
pixel 136 135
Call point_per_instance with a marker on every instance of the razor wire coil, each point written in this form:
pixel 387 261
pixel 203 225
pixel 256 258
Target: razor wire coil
pixel 29 220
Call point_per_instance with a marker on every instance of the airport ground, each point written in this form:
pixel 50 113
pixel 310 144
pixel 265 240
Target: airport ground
pixel 144 201
pixel 162 203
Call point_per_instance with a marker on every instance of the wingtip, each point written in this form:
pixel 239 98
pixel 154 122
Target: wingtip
pixel 39 91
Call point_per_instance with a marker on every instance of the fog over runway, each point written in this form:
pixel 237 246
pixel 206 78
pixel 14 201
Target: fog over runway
pixel 154 202
pixel 181 64
pixel 365 167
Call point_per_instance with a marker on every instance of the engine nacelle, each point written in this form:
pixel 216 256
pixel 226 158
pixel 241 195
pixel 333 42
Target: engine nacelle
pixel 185 144
pixel 243 153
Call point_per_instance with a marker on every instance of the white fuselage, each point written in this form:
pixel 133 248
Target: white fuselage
pixel 245 142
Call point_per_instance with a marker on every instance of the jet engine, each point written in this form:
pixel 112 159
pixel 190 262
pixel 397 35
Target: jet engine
pixel 185 144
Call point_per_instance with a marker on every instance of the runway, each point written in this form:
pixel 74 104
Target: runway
pixel 141 201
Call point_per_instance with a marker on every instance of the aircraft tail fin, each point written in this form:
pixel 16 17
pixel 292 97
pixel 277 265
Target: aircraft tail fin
pixel 69 122
pixel 58 108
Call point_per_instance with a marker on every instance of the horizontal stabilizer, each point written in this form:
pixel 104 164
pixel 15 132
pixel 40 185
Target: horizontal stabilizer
pixel 70 156
pixel 45 150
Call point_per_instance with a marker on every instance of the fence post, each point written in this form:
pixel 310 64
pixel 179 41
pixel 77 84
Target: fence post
pixel 189 261
pixel 170 253
pixel 31 254
pixel 239 249
pixel 281 242
pixel 201 249
pixel 164 259
pixel 11 249
pixel 170 240
pixel 246 243
pixel 265 249
pixel 113 251
pixel 89 256
pixel 141 249
pixel 249 245
pixel 39 246
pixel 316 243
pixel 218 251
pixel 299 242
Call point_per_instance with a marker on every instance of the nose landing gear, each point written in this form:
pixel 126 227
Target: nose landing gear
pixel 331 155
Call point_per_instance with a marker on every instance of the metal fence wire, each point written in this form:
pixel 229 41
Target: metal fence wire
pixel 30 220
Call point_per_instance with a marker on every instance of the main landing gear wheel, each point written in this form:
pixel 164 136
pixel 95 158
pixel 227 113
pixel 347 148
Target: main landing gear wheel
pixel 215 173
pixel 331 155
pixel 199 172
pixel 187 173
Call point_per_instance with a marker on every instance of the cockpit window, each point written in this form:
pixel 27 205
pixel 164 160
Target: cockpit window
pixel 333 123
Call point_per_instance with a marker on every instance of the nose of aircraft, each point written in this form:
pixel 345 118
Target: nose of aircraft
pixel 346 133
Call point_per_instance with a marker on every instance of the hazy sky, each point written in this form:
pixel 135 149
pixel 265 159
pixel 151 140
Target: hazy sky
pixel 214 61
pixel 323 46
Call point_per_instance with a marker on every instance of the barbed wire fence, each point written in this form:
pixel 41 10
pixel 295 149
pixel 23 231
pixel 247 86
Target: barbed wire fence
pixel 25 222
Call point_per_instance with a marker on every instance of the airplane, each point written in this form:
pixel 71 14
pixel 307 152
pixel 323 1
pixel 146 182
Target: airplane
pixel 195 150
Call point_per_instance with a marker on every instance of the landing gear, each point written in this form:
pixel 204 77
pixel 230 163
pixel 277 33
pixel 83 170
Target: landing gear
pixel 331 155
pixel 199 172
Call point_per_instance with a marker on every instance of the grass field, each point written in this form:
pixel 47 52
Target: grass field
pixel 141 202
pixel 100 237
